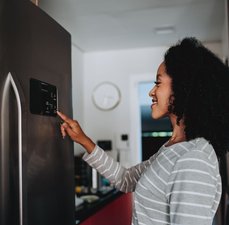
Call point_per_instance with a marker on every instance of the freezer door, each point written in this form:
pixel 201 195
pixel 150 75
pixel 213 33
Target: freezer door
pixel 36 48
pixel 11 203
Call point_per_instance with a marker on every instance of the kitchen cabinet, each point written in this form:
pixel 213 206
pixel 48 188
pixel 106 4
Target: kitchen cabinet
pixel 117 212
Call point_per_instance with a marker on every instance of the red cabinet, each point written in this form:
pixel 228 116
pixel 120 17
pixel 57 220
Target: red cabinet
pixel 117 212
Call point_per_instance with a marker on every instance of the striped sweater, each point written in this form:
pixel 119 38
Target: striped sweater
pixel 179 185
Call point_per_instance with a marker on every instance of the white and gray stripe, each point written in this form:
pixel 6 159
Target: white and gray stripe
pixel 178 185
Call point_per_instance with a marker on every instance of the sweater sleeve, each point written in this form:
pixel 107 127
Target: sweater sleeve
pixel 124 179
pixel 192 190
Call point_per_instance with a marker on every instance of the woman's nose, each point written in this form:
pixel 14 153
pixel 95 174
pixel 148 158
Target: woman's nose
pixel 152 92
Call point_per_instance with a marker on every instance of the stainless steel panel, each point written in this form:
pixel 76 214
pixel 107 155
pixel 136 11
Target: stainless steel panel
pixel 10 191
pixel 39 48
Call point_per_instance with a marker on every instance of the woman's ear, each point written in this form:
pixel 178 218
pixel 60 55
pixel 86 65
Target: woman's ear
pixel 171 101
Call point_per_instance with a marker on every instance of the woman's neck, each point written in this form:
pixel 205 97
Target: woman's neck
pixel 178 131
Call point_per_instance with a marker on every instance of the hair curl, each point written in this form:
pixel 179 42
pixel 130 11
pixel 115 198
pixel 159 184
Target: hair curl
pixel 200 84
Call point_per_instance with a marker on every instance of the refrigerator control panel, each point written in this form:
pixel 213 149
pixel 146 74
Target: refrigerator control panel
pixel 43 98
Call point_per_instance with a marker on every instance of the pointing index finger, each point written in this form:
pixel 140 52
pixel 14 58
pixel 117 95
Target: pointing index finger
pixel 64 117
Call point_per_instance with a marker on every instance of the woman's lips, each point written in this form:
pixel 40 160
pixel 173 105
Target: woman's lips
pixel 154 103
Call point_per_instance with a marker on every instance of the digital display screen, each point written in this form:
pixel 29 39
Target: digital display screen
pixel 43 98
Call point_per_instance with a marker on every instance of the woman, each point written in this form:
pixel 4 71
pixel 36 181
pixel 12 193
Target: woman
pixel 180 184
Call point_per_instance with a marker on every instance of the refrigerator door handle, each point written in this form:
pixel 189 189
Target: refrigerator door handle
pixel 5 97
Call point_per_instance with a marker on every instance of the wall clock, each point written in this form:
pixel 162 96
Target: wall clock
pixel 106 96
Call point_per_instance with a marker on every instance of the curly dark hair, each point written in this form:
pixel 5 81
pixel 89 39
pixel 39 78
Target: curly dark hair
pixel 200 84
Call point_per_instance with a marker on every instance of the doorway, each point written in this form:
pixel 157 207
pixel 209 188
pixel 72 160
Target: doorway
pixel 146 135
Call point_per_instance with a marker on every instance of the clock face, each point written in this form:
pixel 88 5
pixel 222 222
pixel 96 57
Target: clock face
pixel 106 96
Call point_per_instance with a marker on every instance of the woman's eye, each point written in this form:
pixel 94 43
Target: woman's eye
pixel 157 83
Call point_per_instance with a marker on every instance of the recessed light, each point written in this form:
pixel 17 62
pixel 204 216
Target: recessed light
pixel 165 30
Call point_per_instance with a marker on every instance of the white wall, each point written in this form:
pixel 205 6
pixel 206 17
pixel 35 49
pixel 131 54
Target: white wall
pixel 225 37
pixel 77 88
pixel 120 67
pixel 215 47
pixel 116 67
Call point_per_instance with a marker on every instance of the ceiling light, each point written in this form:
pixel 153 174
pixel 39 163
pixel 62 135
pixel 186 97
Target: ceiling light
pixel 165 30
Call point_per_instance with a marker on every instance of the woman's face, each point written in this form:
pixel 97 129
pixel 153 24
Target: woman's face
pixel 161 93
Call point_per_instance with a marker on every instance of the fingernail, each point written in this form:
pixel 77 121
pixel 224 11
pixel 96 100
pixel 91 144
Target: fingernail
pixel 64 125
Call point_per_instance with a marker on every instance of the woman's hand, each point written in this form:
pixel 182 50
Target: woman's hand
pixel 74 131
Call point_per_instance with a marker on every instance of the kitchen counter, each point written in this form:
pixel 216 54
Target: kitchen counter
pixel 86 210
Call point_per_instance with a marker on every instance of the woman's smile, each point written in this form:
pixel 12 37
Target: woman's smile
pixel 161 93
pixel 154 101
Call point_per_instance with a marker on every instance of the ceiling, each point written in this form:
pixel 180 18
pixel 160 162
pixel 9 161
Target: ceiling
pixel 100 25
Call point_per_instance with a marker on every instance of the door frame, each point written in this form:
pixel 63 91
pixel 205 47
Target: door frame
pixel 135 115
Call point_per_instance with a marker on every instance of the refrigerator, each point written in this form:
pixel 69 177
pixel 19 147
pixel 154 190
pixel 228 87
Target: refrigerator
pixel 36 164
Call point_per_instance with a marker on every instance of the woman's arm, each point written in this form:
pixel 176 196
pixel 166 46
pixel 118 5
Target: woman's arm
pixel 123 179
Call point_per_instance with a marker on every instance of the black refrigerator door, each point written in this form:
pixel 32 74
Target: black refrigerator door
pixel 11 154
pixel 37 48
